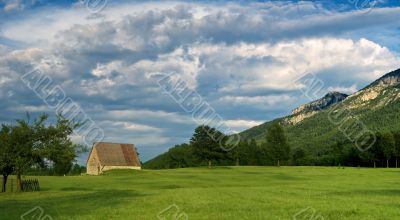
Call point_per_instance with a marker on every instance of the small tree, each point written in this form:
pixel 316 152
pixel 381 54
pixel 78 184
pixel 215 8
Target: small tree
pixel 206 143
pixel 25 144
pixel 277 143
pixel 34 143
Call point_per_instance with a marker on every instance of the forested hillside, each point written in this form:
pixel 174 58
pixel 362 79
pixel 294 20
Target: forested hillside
pixel 377 107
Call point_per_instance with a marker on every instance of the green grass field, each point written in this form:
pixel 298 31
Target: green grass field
pixel 217 193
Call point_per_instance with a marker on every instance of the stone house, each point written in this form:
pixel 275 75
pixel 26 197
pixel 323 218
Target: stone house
pixel 108 156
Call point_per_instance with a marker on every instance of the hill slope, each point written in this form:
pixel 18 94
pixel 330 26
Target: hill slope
pixel 311 127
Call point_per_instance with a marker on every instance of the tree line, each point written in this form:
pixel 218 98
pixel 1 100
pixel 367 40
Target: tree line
pixel 75 170
pixel 30 145
pixel 276 150
pixel 206 148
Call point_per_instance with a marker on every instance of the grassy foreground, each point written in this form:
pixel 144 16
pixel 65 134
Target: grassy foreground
pixel 218 193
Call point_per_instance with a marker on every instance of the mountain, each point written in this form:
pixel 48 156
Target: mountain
pixel 375 107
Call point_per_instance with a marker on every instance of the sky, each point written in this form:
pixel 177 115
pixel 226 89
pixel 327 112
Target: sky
pixel 242 58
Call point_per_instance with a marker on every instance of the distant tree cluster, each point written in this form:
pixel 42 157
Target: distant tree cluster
pixel 50 170
pixel 385 148
pixel 384 152
pixel 206 148
pixel 276 150
pixel 26 146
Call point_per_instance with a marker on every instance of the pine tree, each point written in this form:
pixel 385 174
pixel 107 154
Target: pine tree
pixel 277 143
pixel 206 144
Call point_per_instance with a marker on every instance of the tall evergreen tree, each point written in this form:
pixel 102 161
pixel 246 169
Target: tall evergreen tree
pixel 206 144
pixel 277 142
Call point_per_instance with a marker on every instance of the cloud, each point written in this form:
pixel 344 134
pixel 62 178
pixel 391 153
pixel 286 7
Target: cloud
pixel 30 108
pixel 240 125
pixel 17 5
pixel 243 59
pixel 347 90
pixel 162 25
pixel 255 100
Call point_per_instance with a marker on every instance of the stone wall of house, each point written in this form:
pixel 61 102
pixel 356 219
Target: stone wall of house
pixel 92 166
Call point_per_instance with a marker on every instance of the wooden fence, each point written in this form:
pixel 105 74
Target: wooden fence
pixel 28 185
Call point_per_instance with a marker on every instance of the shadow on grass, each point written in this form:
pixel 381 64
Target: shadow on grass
pixel 392 171
pixel 170 187
pixel 67 204
pixel 375 192
pixel 75 189
pixel 208 168
pixel 285 177
pixel 48 189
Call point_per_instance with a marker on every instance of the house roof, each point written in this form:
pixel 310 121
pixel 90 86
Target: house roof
pixel 114 154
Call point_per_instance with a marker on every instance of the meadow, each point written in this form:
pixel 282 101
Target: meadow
pixel 216 193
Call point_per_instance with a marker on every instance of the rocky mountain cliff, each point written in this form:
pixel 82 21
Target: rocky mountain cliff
pixel 329 99
pixel 380 93
pixel 390 79
pixel 307 110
